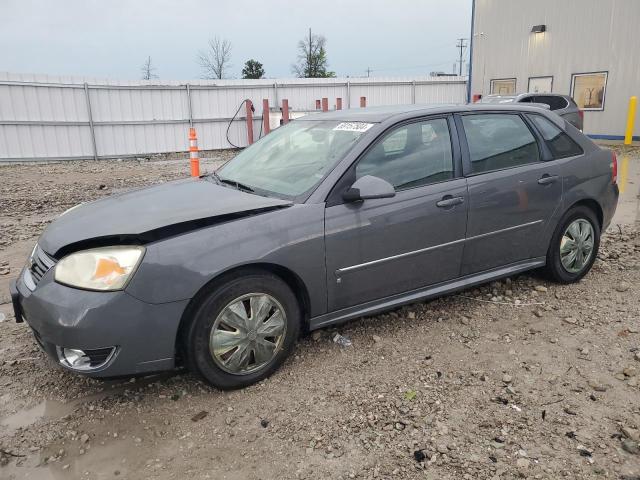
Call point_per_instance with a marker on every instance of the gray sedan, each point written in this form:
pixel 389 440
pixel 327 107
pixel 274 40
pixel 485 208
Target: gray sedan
pixel 332 217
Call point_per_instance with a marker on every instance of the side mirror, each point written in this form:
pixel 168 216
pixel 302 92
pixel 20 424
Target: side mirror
pixel 368 188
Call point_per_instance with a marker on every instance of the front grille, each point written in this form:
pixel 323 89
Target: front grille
pixel 39 264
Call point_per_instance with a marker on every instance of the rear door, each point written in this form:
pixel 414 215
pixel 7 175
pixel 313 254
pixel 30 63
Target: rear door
pixel 513 193
pixel 381 247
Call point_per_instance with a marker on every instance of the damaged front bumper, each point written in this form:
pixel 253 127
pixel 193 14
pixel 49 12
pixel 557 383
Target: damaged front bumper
pixel 100 334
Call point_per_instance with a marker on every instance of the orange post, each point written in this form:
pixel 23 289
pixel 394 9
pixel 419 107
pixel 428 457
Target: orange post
pixel 285 111
pixel 363 102
pixel 193 153
pixel 338 103
pixel 265 115
pixel 325 104
pixel 249 106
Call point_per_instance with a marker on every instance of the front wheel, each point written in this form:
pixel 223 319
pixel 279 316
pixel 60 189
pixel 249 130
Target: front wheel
pixel 243 330
pixel 574 246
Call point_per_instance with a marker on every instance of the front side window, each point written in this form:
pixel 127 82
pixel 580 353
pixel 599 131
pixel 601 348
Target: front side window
pixel 498 141
pixel 411 155
pixel 293 159
pixel 560 144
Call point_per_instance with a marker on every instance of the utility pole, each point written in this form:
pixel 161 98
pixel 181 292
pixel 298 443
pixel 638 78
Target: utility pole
pixel 462 46
pixel 368 71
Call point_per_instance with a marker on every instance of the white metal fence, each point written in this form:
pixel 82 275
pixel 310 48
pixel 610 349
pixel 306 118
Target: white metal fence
pixel 55 118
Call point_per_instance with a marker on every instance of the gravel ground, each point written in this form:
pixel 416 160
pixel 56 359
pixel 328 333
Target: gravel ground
pixel 517 379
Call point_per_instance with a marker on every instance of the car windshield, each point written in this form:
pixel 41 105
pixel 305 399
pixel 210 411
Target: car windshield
pixel 292 159
pixel 497 99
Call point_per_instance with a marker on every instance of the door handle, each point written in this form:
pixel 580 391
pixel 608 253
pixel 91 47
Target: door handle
pixel 449 201
pixel 547 179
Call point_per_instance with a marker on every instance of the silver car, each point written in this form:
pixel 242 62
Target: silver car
pixel 332 217
pixel 562 105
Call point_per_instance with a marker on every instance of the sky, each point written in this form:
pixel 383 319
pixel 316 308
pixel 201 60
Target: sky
pixel 112 38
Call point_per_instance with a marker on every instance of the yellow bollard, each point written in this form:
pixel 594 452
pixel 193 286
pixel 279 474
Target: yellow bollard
pixel 628 136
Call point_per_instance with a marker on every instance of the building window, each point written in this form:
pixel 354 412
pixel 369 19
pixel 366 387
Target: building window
pixel 588 90
pixel 540 84
pixel 503 86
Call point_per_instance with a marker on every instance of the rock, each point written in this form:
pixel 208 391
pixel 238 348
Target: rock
pixel 199 416
pixel 630 372
pixel 541 288
pixel 622 287
pixel 510 390
pixel 631 433
pixel 570 320
pixel 637 356
pixel 538 313
pixel 506 378
pixel 419 456
pixel 598 387
pixel 442 448
pixel 377 339
pixel 630 446
pixel 523 463
pixel 411 315
pixel 570 410
pixel 3 317
pixel 84 438
pixel 317 335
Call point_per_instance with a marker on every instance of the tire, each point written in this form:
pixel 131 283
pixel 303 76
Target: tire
pixel 227 367
pixel 582 218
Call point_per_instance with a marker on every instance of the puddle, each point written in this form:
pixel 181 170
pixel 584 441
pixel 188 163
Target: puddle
pixel 628 211
pixel 47 410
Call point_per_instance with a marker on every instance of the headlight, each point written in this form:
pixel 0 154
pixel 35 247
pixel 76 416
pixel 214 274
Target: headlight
pixel 106 268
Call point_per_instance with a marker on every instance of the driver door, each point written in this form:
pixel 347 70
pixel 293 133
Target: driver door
pixel 382 247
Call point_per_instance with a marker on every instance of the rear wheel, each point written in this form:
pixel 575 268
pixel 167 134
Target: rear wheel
pixel 243 330
pixel 574 245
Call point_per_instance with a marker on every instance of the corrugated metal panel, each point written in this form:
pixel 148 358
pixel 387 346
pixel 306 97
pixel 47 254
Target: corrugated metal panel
pixel 582 36
pixel 44 117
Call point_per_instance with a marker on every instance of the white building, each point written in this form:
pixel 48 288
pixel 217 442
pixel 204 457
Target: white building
pixel 589 49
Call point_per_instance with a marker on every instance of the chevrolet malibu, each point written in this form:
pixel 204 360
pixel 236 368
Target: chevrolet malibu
pixel 332 217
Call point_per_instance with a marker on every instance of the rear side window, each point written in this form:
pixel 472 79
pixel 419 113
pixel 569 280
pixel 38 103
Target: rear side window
pixel 560 144
pixel 498 141
pixel 554 102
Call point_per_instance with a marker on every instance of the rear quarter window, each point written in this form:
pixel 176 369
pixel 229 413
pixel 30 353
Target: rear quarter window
pixel 560 144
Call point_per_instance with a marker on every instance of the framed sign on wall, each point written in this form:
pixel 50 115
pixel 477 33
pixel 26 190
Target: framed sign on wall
pixel 503 86
pixel 540 85
pixel 589 89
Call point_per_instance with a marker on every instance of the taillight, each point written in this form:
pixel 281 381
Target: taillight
pixel 614 168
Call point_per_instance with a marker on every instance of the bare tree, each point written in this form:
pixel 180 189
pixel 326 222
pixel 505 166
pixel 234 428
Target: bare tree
pixel 215 60
pixel 148 70
pixel 312 58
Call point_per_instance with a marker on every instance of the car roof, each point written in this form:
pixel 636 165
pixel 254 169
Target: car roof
pixel 382 114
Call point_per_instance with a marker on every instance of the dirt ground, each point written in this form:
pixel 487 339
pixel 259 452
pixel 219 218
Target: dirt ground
pixel 517 379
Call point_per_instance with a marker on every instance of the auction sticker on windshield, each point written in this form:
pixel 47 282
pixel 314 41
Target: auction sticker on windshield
pixel 353 126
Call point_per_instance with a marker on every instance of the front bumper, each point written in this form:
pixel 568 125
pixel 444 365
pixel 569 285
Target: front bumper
pixel 143 335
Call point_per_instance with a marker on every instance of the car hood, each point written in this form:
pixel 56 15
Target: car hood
pixel 151 213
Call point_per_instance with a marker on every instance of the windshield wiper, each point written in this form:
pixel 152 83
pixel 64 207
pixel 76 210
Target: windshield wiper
pixel 234 183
